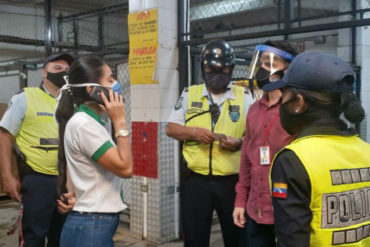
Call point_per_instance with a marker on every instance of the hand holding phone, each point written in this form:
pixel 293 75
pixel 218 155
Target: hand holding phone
pixel 96 94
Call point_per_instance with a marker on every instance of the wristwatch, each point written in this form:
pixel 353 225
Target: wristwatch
pixel 122 133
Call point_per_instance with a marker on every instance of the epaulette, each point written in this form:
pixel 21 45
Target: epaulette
pixel 18 92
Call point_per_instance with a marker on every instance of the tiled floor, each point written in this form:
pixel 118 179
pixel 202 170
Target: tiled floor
pixel 9 215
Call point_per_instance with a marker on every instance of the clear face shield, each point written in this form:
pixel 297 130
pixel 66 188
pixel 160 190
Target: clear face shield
pixel 268 64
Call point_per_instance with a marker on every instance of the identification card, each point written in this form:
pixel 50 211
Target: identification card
pixel 265 155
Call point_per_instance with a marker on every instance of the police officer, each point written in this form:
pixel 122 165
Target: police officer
pixel 210 119
pixel 29 127
pixel 320 182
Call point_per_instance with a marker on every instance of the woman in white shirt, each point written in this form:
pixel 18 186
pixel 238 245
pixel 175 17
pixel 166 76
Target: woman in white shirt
pixel 94 162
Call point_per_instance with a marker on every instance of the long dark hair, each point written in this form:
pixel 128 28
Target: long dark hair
pixel 83 70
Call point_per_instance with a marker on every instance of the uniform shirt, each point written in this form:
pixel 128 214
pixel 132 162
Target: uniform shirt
pixel 178 114
pixel 252 189
pixel 85 141
pixel 293 215
pixel 14 115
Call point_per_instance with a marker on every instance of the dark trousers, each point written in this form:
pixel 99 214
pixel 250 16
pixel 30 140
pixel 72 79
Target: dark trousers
pixel 260 235
pixel 40 217
pixel 200 196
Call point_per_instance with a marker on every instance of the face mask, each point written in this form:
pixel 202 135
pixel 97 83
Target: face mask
pixel 57 78
pixel 263 77
pixel 116 88
pixel 295 122
pixel 217 82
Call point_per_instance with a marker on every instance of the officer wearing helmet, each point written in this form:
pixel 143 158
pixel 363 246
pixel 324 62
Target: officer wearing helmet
pixel 210 119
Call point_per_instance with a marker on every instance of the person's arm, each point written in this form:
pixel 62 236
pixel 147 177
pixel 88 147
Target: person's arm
pixel 117 160
pixel 292 214
pixel 176 124
pixel 11 185
pixel 243 185
pixel 183 133
pixel 9 127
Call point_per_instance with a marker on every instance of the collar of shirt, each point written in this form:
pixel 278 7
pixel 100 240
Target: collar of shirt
pixel 90 112
pixel 264 101
pixel 327 126
pixel 43 88
pixel 229 94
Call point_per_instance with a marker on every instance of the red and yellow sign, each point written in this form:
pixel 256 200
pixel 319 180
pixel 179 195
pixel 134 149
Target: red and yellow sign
pixel 143 35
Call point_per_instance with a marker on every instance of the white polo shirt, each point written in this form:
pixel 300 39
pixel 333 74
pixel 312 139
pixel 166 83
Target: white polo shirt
pixel 85 141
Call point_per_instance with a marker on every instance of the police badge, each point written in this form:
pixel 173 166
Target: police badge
pixel 178 103
pixel 234 113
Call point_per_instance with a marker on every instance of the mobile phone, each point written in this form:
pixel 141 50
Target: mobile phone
pixel 219 136
pixel 96 94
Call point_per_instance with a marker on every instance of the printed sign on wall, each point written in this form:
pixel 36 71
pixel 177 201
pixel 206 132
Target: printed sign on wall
pixel 143 35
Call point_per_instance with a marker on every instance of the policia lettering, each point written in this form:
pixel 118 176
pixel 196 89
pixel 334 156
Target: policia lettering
pixel 347 208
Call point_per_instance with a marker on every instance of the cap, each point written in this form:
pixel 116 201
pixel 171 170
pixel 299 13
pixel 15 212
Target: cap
pixel 316 71
pixel 61 56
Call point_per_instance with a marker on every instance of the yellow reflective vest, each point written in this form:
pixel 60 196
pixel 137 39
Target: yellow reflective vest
pixel 38 136
pixel 339 171
pixel 231 122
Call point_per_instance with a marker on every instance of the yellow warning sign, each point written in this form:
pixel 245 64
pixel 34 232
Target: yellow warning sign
pixel 143 36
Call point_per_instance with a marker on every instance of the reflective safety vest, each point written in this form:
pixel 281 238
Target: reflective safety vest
pixel 38 136
pixel 231 122
pixel 339 171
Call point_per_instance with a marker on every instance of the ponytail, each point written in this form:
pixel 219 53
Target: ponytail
pixel 64 112
pixel 352 108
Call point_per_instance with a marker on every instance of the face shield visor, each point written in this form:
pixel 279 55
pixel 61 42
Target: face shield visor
pixel 268 64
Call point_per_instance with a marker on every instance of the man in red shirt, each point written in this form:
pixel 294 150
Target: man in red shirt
pixel 264 137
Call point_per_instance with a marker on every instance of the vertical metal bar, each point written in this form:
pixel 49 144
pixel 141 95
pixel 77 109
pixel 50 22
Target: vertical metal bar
pixel 299 13
pixel 288 16
pixel 60 30
pixel 183 76
pixel 101 30
pixel 279 14
pixel 75 35
pixel 48 26
pixel 23 82
pixel 353 58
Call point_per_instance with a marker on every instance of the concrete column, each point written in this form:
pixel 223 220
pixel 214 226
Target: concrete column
pixel 362 58
pixel 155 200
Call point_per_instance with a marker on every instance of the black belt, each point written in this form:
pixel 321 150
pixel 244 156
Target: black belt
pixel 214 177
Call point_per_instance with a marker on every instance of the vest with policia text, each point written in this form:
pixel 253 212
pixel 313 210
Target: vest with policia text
pixel 231 122
pixel 339 171
pixel 38 136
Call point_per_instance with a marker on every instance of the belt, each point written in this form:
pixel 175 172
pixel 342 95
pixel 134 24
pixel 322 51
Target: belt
pixel 214 177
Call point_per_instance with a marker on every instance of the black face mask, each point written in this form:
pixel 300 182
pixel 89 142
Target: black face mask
pixel 263 76
pixel 57 78
pixel 293 123
pixel 217 82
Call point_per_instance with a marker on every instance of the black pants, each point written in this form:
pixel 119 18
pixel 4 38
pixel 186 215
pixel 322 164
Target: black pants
pixel 260 235
pixel 40 217
pixel 200 196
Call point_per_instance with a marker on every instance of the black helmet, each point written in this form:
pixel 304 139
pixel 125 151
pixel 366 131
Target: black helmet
pixel 217 54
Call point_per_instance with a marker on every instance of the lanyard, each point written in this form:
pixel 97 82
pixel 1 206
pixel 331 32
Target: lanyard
pixel 266 131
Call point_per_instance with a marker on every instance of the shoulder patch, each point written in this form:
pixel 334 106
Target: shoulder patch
pixel 179 104
pixel 280 190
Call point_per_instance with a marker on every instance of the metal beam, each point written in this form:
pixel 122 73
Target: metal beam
pixel 295 30
pixel 48 27
pixel 94 12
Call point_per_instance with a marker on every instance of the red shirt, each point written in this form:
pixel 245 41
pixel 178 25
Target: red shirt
pixel 263 128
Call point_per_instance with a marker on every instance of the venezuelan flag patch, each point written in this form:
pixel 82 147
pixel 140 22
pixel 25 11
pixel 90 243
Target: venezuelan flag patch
pixel 280 190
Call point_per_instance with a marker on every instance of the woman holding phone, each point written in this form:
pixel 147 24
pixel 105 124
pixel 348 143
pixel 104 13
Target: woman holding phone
pixel 94 162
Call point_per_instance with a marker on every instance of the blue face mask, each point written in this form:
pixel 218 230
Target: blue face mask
pixel 116 88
